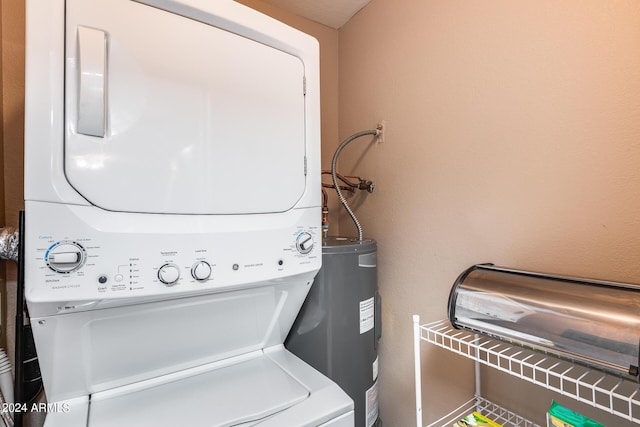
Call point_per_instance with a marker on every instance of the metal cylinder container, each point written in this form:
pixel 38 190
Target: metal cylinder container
pixel 338 328
pixel 593 322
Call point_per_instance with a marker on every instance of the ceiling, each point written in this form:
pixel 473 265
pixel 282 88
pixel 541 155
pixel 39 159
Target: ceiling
pixel 332 13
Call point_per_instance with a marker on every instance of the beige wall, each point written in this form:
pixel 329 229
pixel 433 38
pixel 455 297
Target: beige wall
pixel 13 106
pixel 513 137
pixel 12 75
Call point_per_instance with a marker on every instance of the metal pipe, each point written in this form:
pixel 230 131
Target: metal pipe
pixel 334 176
pixel 417 369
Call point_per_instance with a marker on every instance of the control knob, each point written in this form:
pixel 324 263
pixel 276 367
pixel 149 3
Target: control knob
pixel 65 257
pixel 169 274
pixel 304 243
pixel 201 270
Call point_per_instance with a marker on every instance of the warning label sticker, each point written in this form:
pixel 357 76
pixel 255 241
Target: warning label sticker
pixel 366 315
pixel 375 369
pixel 372 404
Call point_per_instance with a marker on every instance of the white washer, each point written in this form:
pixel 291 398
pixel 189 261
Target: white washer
pixel 172 189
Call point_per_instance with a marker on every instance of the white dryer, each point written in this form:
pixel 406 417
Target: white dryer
pixel 172 201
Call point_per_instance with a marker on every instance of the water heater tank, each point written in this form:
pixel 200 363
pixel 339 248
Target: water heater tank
pixel 593 322
pixel 338 328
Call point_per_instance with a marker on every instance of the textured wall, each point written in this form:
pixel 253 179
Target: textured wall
pixel 12 74
pixel 13 106
pixel 513 137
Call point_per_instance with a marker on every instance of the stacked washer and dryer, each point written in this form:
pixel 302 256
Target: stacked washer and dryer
pixel 172 214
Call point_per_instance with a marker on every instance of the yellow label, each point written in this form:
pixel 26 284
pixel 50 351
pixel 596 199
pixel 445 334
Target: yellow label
pixel 556 422
pixel 484 421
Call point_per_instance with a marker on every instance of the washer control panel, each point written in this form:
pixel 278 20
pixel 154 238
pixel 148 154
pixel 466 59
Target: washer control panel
pixel 74 262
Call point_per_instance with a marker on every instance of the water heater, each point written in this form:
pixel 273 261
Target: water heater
pixel 338 328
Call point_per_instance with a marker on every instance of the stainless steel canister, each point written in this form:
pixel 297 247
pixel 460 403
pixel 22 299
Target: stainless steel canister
pixel 593 322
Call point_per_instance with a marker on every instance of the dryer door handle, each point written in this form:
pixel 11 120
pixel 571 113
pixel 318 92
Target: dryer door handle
pixel 92 81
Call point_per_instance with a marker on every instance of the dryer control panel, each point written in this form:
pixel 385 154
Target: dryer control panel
pixel 141 255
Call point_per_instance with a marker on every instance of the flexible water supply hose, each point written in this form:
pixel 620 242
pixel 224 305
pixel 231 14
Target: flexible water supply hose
pixel 9 242
pixel 334 177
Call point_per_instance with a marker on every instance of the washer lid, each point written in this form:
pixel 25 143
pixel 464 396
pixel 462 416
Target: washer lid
pixel 241 393
pixel 166 113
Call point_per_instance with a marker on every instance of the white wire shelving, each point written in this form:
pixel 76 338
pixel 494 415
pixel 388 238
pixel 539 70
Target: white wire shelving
pixel 600 390
pixel 489 409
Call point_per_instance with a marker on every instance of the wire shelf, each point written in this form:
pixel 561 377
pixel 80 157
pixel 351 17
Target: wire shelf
pixel 489 409
pixel 600 390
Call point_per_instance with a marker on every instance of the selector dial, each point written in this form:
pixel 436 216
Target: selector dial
pixel 201 270
pixel 304 243
pixel 65 256
pixel 169 274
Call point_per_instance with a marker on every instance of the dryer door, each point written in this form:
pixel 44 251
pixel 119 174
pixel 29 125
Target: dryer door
pixel 168 114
